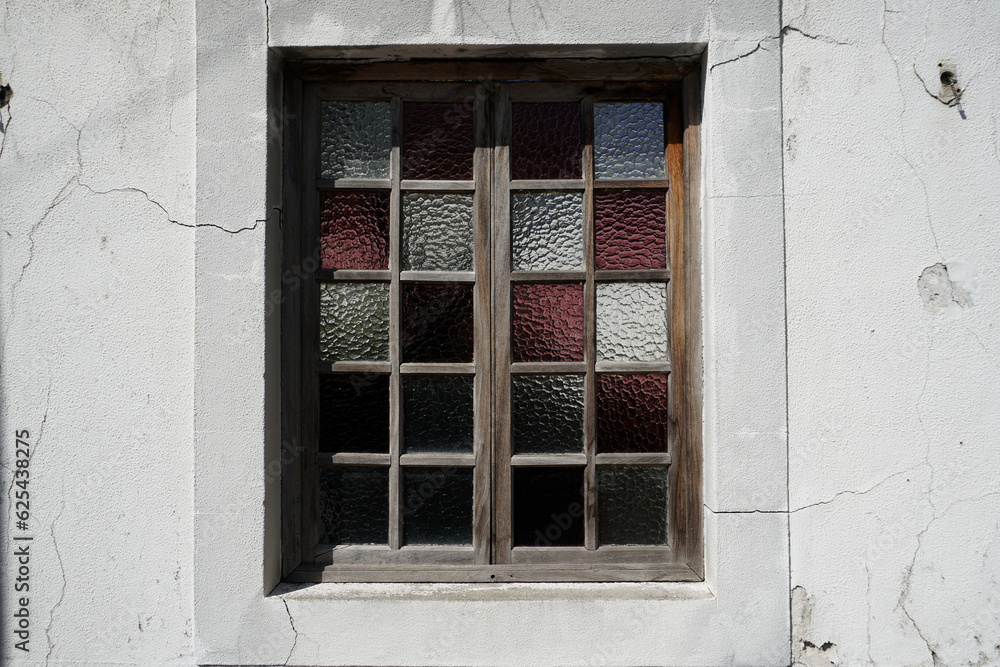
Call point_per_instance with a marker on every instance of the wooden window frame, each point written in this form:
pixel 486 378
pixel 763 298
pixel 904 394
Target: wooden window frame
pixel 491 557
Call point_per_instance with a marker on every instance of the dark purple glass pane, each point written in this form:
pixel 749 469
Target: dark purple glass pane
pixel 547 507
pixel 631 230
pixel 436 323
pixel 437 141
pixel 354 413
pixel 548 322
pixel 631 413
pixel 546 140
pixel 355 230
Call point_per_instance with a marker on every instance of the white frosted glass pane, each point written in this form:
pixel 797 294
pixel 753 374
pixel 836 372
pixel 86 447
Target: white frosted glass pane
pixel 632 321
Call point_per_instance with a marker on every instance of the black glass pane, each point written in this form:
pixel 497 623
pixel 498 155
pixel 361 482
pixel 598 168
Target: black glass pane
pixel 354 505
pixel 437 505
pixel 354 413
pixel 631 505
pixel 436 323
pixel 548 507
pixel 437 413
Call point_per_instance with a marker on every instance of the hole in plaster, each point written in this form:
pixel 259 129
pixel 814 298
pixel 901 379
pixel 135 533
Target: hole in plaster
pixel 948 288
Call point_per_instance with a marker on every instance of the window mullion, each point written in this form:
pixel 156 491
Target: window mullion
pixel 482 334
pixel 501 327
pixel 589 332
pixel 395 386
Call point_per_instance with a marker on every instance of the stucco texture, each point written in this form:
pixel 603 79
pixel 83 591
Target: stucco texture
pixel 850 256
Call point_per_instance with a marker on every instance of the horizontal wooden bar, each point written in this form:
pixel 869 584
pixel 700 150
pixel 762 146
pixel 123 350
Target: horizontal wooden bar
pixel 352 275
pixel 548 460
pixel 437 369
pixel 631 184
pixel 443 573
pixel 438 276
pixel 632 366
pixel 351 459
pixel 460 460
pixel 537 64
pixel 548 276
pixel 382 555
pixel 354 184
pixel 546 367
pixel 623 458
pixel 548 184
pixel 353 366
pixel 437 186
pixel 631 555
pixel 651 275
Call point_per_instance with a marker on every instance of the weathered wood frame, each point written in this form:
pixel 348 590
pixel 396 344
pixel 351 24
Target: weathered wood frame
pixel 491 557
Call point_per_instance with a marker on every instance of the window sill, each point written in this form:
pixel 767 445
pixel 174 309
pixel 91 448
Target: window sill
pixel 479 592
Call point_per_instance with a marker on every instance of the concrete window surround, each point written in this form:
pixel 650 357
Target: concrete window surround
pixel 242 614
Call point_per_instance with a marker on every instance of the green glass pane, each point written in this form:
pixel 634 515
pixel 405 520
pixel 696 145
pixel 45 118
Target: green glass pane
pixel 631 505
pixel 356 140
pixel 547 414
pixel 354 321
pixel 437 232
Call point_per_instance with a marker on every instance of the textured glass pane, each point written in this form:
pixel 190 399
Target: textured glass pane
pixel 437 232
pixel 355 230
pixel 437 505
pixel 631 413
pixel 547 231
pixel 356 140
pixel 437 141
pixel 630 230
pixel 547 140
pixel 437 413
pixel 547 507
pixel 547 322
pixel 354 505
pixel 436 323
pixel 547 414
pixel 628 140
pixel 632 321
pixel 354 413
pixel 631 505
pixel 354 321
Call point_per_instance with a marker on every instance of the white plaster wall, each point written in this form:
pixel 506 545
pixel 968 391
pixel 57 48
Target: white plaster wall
pixel 145 440
pixel 893 409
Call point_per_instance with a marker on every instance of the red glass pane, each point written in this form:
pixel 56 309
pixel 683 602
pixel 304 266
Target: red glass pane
pixel 546 140
pixel 548 322
pixel 354 230
pixel 631 413
pixel 437 141
pixel 631 230
pixel 436 323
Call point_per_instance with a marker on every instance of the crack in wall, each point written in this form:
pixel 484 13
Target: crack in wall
pixel 291 622
pixel 760 45
pixel 62 591
pixel 822 38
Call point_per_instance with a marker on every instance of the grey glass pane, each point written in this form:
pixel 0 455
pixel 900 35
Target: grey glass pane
pixel 356 140
pixel 437 232
pixel 354 321
pixel 547 414
pixel 631 505
pixel 628 140
pixel 632 321
pixel 437 505
pixel 547 231
pixel 437 413
pixel 354 505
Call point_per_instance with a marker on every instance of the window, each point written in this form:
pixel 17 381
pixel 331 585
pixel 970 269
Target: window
pixel 489 361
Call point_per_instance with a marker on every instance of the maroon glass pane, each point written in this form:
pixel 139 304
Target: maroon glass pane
pixel 437 141
pixel 436 323
pixel 354 230
pixel 631 413
pixel 631 230
pixel 354 413
pixel 546 140
pixel 548 322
